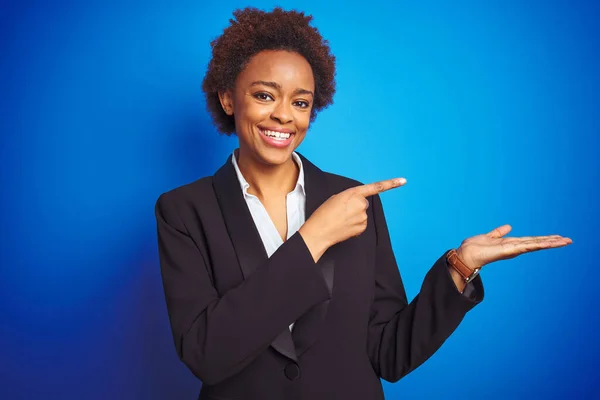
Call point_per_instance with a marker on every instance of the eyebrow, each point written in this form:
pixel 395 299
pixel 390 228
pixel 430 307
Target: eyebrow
pixel 277 86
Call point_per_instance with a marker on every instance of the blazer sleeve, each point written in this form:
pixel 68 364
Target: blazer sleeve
pixel 217 336
pixel 403 335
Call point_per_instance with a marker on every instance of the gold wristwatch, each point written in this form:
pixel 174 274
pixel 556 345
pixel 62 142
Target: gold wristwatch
pixel 459 266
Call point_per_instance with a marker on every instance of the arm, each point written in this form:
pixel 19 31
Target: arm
pixel 402 335
pixel 217 337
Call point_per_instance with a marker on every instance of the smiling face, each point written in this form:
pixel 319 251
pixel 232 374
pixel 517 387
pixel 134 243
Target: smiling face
pixel 271 104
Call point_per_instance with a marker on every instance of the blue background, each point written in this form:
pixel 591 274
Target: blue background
pixel 491 111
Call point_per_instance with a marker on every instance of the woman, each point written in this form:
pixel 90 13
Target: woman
pixel 280 279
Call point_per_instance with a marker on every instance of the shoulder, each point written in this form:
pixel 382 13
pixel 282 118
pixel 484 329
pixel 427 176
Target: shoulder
pixel 186 194
pixel 340 183
pixel 329 182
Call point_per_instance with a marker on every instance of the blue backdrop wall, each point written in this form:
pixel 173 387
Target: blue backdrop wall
pixel 490 109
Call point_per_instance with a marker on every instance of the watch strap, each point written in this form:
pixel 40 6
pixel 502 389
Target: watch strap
pixel 459 266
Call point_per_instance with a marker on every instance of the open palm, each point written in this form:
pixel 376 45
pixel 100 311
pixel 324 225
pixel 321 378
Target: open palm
pixel 480 250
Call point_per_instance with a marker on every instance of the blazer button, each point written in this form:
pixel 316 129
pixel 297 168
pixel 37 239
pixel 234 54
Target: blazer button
pixel 292 371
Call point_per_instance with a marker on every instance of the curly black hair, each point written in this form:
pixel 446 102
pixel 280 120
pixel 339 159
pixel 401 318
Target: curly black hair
pixel 253 31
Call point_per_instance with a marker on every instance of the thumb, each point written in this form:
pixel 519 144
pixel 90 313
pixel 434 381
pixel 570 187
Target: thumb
pixel 500 231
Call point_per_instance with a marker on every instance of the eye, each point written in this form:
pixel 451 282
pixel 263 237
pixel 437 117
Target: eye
pixel 263 96
pixel 302 104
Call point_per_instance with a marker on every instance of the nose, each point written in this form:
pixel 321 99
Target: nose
pixel 282 113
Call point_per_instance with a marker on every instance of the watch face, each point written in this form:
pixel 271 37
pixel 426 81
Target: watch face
pixel 473 275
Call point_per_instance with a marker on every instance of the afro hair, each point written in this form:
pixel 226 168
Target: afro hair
pixel 253 31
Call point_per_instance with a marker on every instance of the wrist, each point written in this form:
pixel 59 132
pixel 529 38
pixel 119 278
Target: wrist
pixel 458 265
pixel 466 260
pixel 316 244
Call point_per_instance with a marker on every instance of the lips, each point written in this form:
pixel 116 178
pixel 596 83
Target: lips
pixel 276 138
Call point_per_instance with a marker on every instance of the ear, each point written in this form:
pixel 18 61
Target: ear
pixel 226 99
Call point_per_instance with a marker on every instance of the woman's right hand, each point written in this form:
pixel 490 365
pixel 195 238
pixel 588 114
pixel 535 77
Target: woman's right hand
pixel 342 216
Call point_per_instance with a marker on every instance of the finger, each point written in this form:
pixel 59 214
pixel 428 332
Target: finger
pixel 367 204
pixel 360 226
pixel 526 246
pixel 537 239
pixel 517 239
pixel 500 231
pixel 372 189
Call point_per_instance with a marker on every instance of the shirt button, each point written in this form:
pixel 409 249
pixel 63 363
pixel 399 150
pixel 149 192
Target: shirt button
pixel 292 371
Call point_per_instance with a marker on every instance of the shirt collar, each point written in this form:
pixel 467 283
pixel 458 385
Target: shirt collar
pixel 244 185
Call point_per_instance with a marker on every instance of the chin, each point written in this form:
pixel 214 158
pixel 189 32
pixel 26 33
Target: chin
pixel 272 156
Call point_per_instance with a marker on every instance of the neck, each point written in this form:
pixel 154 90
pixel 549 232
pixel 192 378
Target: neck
pixel 267 181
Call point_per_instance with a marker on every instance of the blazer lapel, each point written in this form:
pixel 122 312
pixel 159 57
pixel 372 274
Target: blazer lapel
pixel 244 235
pixel 308 326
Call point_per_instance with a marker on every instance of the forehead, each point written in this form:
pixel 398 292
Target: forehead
pixel 289 69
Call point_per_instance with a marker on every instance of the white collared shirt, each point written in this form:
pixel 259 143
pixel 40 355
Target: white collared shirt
pixel 295 205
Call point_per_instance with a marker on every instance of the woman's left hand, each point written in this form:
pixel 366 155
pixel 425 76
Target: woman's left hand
pixel 480 250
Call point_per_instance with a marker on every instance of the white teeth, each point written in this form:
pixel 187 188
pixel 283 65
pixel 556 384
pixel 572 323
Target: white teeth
pixel 276 135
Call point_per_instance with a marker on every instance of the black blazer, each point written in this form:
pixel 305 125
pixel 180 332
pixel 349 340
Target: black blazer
pixel 230 305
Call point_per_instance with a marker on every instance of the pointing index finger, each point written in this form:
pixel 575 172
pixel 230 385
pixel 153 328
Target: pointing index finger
pixel 374 188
